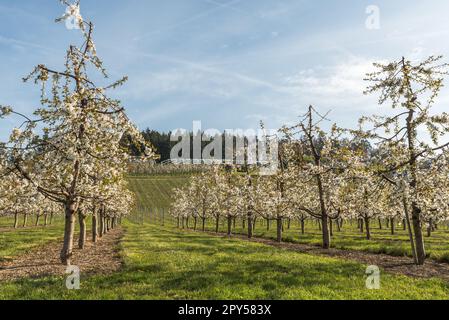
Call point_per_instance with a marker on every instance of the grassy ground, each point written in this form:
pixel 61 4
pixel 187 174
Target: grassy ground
pixel 154 195
pixel 351 238
pixel 154 192
pixel 16 241
pixel 164 263
pixel 154 198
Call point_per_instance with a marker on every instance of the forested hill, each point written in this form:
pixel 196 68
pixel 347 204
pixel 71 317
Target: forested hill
pixel 161 141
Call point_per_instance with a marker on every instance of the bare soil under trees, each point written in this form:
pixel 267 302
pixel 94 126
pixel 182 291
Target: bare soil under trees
pixel 102 257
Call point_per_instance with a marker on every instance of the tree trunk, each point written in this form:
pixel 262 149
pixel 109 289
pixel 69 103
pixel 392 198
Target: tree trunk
pixel 279 229
pixel 331 227
pixel 203 221
pixel 325 230
pixel 404 226
pixel 105 225
pixel 250 226
pixel 429 228
pixel 101 224
pixel 94 226
pixel 419 240
pixel 217 224
pixel 46 219
pixel 392 225
pixel 38 217
pixel 51 218
pixel 380 223
pixel 409 227
pixel 338 221
pixel 289 223
pixel 367 228
pixel 25 219
pixel 177 222
pixel 69 230
pixel 195 222
pixel 82 235
pixel 413 182
pixel 229 226
pixel 361 225
pixel 268 224
pixel 16 220
pixel 303 228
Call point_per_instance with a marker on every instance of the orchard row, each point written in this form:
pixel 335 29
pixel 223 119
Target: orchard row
pixel 390 167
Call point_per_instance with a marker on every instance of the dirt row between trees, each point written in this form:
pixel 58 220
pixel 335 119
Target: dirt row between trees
pixel 102 257
pixel 391 264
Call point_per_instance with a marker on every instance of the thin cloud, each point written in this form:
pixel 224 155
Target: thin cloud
pixel 187 20
pixel 17 42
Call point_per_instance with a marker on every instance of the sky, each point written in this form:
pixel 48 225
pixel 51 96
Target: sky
pixel 226 63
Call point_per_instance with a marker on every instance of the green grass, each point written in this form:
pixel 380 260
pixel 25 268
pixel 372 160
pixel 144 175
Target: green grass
pixel 154 195
pixel 17 241
pixel 164 263
pixel 154 192
pixel 6 222
pixel 350 237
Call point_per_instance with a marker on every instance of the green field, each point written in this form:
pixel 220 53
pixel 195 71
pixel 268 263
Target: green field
pixel 154 195
pixel 164 263
pixel 154 192
pixel 154 198
pixel 18 241
pixel 437 246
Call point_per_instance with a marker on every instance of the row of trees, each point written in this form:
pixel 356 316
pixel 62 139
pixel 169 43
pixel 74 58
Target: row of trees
pixel 71 155
pixel 390 167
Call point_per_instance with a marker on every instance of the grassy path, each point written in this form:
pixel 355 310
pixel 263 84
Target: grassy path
pixel 164 263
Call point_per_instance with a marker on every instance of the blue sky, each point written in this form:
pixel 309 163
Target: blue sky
pixel 228 63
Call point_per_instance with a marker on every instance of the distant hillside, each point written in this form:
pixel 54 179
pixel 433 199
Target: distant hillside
pixel 154 193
